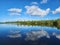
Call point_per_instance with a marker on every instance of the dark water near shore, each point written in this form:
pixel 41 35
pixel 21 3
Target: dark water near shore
pixel 28 35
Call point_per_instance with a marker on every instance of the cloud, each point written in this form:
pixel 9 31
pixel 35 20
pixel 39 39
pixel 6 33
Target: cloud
pixel 15 14
pixel 56 11
pixel 15 11
pixel 43 1
pixel 14 34
pixel 34 3
pixel 47 18
pixel 35 10
pixel 35 35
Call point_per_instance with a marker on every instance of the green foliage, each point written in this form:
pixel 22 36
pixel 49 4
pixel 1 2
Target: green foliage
pixel 52 23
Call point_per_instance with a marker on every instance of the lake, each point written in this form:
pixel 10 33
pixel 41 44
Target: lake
pixel 11 34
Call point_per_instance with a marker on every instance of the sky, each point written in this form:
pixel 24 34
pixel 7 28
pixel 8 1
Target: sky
pixel 17 10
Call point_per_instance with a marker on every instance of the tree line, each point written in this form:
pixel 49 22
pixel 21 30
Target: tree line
pixel 52 23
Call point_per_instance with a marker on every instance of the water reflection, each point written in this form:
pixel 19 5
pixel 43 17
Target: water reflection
pixel 56 35
pixel 35 35
pixel 32 35
pixel 57 26
pixel 29 35
pixel 14 34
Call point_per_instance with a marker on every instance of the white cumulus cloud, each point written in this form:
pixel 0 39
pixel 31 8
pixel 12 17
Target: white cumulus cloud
pixel 43 1
pixel 15 14
pixel 56 11
pixel 15 11
pixel 34 3
pixel 35 10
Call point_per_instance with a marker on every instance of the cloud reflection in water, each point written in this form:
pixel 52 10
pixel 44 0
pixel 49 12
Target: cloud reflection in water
pixel 35 35
pixel 14 34
pixel 32 35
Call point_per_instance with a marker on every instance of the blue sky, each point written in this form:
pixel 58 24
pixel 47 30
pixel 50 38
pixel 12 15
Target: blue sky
pixel 13 10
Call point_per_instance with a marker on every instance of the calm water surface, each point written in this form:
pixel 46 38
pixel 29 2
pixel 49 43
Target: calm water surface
pixel 28 35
